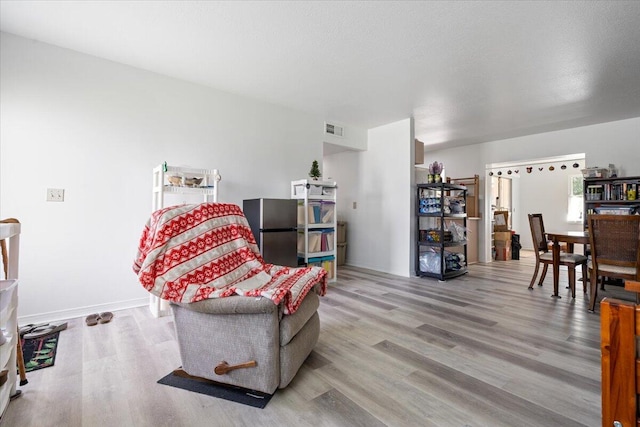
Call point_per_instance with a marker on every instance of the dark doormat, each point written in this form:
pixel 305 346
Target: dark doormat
pixel 181 379
pixel 40 352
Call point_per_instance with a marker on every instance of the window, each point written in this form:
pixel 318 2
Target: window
pixel 576 202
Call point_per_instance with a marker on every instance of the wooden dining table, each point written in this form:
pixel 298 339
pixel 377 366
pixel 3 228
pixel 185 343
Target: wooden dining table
pixel 570 238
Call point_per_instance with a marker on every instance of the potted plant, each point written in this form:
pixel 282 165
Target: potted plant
pixel 315 171
pixel 435 171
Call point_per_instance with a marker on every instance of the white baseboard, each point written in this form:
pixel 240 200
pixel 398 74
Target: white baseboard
pixel 54 316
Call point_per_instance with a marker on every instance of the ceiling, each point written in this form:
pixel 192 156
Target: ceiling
pixel 468 72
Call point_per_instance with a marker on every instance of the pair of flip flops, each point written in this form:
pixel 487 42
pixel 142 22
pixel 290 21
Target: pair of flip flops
pixel 94 319
pixel 33 331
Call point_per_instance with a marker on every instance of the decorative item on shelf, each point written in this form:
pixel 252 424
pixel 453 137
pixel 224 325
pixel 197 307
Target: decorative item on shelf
pixel 540 169
pixel 499 173
pixel 551 168
pixel 509 172
pixel 435 170
pixel 631 192
pixel 576 165
pixel 192 182
pixel 314 173
pixel 490 173
pixel 529 169
pixel 516 171
pixel 563 167
pixel 175 180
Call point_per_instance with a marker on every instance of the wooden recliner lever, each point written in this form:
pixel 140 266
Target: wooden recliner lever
pixel 223 367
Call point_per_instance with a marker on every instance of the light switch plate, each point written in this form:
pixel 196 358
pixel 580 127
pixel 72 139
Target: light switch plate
pixel 55 195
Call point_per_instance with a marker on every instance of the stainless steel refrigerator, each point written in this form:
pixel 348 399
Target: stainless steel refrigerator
pixel 273 223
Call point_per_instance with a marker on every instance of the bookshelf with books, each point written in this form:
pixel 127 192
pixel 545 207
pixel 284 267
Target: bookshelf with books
pixel 316 223
pixel 441 230
pixel 617 195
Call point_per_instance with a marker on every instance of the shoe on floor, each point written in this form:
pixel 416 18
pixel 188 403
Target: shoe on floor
pixel 45 330
pixel 92 319
pixel 105 317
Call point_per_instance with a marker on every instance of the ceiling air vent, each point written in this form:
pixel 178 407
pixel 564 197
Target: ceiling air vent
pixel 333 129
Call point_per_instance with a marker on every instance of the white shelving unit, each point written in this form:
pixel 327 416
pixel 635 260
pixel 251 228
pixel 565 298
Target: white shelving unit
pixel 180 181
pixel 9 314
pixel 317 238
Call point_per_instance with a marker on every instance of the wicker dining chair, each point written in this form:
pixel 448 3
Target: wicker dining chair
pixel 615 249
pixel 545 258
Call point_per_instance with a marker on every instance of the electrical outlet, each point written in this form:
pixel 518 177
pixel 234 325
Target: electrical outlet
pixel 354 205
pixel 55 195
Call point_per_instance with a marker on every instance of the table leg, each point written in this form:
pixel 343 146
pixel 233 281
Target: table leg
pixel 556 267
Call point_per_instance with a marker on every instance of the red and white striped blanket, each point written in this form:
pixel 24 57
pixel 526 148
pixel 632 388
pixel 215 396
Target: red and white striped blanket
pixel 190 253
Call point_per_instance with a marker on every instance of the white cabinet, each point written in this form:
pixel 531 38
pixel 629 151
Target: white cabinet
pixel 173 180
pixel 9 313
pixel 316 223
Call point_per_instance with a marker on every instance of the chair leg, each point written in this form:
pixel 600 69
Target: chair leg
pixel 585 273
pixel 572 280
pixel 535 274
pixel 593 292
pixel 544 273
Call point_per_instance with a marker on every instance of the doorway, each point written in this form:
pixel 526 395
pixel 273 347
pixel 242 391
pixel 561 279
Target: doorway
pixel 540 185
pixel 501 197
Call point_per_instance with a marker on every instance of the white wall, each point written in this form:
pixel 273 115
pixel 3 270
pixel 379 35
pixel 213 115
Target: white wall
pixel 535 197
pixel 97 128
pixel 354 138
pixel 613 142
pixel 380 182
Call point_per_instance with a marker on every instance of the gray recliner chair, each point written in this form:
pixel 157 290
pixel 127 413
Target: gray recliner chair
pixel 251 332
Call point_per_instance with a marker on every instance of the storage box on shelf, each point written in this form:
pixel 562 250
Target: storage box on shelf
pixel 9 328
pixel 198 183
pixel 617 195
pixel 316 223
pixel 595 173
pixel 10 232
pixel 441 230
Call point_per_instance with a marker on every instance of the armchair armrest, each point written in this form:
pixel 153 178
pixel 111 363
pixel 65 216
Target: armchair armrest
pixel 231 305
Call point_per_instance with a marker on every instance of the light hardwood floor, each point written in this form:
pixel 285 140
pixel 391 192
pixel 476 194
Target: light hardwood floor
pixel 478 350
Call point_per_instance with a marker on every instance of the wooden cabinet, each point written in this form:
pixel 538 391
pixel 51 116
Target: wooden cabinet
pixel 472 240
pixel 442 230
pixel 473 191
pixel 317 222
pixel 611 195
